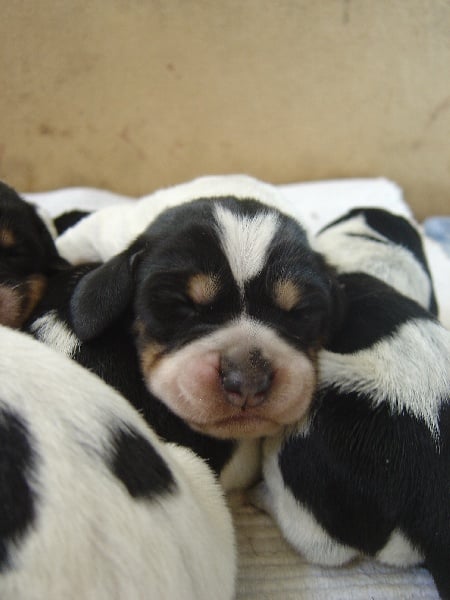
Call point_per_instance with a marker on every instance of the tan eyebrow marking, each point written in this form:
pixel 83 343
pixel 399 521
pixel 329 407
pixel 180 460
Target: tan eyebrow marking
pixel 202 288
pixel 286 294
pixel 7 238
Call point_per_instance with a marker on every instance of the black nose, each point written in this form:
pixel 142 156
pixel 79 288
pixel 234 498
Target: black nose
pixel 246 382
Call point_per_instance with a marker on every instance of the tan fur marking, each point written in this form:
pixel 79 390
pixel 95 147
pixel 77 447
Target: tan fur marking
pixel 7 238
pixel 10 304
pixel 286 294
pixel 149 351
pixel 35 289
pixel 202 288
pixel 18 301
pixel 149 354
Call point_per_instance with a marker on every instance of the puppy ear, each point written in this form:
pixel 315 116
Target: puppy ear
pixel 103 294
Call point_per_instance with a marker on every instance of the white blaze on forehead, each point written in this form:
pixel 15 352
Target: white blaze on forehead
pixel 245 240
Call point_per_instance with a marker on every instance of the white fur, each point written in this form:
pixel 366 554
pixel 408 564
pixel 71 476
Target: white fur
pixel 389 262
pixel 244 468
pixel 399 551
pixel 410 370
pixel 91 540
pixel 245 241
pixel 50 330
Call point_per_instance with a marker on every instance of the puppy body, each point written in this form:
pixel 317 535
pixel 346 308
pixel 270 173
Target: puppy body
pixel 384 245
pixel 367 472
pixel 93 504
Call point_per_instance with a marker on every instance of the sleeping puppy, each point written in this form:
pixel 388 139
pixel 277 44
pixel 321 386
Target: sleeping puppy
pixel 367 472
pixel 27 256
pixel 384 245
pixel 221 307
pixel 93 504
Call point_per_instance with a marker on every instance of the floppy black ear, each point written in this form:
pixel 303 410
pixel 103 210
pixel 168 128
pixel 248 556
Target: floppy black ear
pixel 103 294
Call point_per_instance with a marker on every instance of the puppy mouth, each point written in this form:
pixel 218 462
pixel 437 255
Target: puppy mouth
pixel 238 425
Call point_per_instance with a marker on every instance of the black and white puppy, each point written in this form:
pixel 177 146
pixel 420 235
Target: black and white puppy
pixel 221 306
pixel 27 256
pixel 367 472
pixel 384 245
pixel 93 504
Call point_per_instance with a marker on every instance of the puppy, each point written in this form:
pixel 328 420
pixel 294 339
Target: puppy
pixel 367 471
pixel 384 245
pixel 210 322
pixel 27 256
pixel 93 504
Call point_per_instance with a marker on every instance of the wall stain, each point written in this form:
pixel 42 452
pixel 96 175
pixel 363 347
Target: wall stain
pixel 126 137
pixel 48 130
pixel 438 110
pixel 346 11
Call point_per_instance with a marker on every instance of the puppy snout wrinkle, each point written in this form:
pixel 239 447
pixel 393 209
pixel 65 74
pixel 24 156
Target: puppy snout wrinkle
pixel 246 381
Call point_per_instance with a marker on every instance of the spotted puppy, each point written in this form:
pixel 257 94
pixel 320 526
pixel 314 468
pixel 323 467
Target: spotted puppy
pixel 27 256
pixel 93 504
pixel 368 471
pixel 226 306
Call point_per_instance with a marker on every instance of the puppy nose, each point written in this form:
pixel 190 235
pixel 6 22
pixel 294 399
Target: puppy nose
pixel 246 382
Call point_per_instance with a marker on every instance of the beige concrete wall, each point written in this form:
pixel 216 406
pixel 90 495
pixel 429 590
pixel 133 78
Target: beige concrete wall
pixel 135 94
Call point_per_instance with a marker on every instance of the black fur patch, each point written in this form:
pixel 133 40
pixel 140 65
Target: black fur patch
pixel 139 466
pixel 364 471
pixel 398 230
pixel 17 499
pixel 374 312
pixel 69 219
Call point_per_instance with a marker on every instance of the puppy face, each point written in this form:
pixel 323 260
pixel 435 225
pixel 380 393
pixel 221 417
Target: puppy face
pixel 27 253
pixel 231 308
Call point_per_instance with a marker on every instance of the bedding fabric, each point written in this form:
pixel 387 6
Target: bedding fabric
pixel 268 568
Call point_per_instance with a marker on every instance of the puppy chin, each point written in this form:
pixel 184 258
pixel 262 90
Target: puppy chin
pixel 189 381
pixel 239 426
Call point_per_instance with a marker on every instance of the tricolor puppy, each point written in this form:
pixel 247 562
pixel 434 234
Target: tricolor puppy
pixel 209 322
pixel 93 505
pixel 230 307
pixel 27 256
pixel 367 472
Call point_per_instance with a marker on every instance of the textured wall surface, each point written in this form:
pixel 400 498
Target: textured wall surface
pixel 132 95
